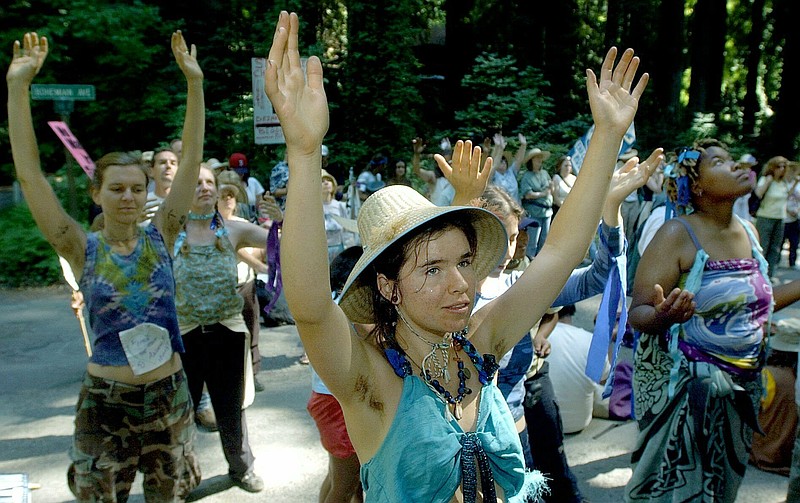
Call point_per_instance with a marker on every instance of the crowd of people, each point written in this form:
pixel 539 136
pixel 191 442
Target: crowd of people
pixel 424 388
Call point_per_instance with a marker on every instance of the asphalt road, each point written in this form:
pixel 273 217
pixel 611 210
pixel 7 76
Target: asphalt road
pixel 42 363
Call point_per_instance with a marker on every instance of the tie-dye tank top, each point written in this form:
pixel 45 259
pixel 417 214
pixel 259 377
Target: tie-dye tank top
pixel 123 291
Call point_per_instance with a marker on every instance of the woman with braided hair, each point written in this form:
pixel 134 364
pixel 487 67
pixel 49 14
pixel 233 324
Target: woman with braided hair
pixel 701 300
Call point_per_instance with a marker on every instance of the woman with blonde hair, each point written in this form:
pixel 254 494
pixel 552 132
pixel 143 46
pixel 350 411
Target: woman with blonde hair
pixel 134 412
pixel 773 190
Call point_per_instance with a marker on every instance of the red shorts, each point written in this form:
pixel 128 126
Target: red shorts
pixel 327 413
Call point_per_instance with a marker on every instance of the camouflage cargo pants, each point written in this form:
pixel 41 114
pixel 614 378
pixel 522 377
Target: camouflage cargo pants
pixel 121 429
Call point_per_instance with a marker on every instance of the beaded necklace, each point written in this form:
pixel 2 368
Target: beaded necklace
pixel 486 367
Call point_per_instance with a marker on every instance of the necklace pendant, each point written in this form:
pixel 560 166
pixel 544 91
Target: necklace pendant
pixel 446 375
pixel 458 412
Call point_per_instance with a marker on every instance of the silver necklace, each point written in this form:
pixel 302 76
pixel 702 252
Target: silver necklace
pixel 434 364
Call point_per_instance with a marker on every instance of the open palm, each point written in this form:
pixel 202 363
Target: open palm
pixel 27 58
pixel 299 102
pixel 611 99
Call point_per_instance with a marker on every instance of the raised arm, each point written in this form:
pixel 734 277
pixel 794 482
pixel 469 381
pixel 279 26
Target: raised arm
pixel 498 146
pixel 302 108
pixel 172 213
pixel 425 175
pixel 613 105
pixel 591 280
pixel 60 230
pixel 519 157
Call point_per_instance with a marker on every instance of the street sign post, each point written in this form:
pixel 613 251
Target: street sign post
pixel 64 97
pixel 63 92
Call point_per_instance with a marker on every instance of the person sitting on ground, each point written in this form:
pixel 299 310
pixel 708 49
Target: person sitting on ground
pixel 573 390
pixel 134 412
pixel 416 282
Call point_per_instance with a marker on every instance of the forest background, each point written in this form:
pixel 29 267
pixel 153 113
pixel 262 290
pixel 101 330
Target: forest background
pixel 396 69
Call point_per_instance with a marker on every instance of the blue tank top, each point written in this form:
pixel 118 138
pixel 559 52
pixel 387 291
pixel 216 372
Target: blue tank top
pixel 420 458
pixel 123 291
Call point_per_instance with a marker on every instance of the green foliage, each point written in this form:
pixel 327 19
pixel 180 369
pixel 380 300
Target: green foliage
pixel 26 258
pixel 500 96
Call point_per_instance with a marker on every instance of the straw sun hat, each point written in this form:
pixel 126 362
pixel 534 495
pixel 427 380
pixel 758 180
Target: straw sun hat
pixel 396 211
pixel 229 180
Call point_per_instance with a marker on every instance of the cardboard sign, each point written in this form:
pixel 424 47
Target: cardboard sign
pixel 266 125
pixel 74 146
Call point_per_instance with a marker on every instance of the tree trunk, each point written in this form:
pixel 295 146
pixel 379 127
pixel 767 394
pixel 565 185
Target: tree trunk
pixel 752 61
pixel 614 23
pixel 787 109
pixel 666 70
pixel 707 55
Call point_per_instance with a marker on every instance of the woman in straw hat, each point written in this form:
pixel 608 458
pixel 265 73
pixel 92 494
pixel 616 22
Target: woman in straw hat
pixel 536 194
pixel 427 438
pixel 133 412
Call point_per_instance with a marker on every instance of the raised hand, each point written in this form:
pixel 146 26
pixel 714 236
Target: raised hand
pixel 466 174
pixel 612 102
pixel 300 103
pixel 27 59
pixel 499 140
pixel 419 145
pixel 186 59
pixel 633 175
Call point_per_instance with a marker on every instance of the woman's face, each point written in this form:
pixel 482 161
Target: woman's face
pixel 721 177
pixel 327 187
pixel 205 194
pixel 400 169
pixel 123 192
pixel 227 200
pixel 780 171
pixel 502 165
pixel 511 224
pixel 536 163
pixel 436 284
pixel 566 168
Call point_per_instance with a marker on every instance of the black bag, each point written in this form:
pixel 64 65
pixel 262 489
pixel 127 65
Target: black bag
pixel 279 315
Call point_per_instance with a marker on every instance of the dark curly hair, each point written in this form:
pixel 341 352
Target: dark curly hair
pixel 686 170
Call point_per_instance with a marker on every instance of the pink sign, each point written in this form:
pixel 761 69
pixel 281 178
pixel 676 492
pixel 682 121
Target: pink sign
pixel 73 145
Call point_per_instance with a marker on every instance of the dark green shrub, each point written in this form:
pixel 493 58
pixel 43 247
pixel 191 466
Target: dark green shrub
pixel 26 258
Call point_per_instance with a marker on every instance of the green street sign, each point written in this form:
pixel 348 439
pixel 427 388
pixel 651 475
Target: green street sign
pixel 61 92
